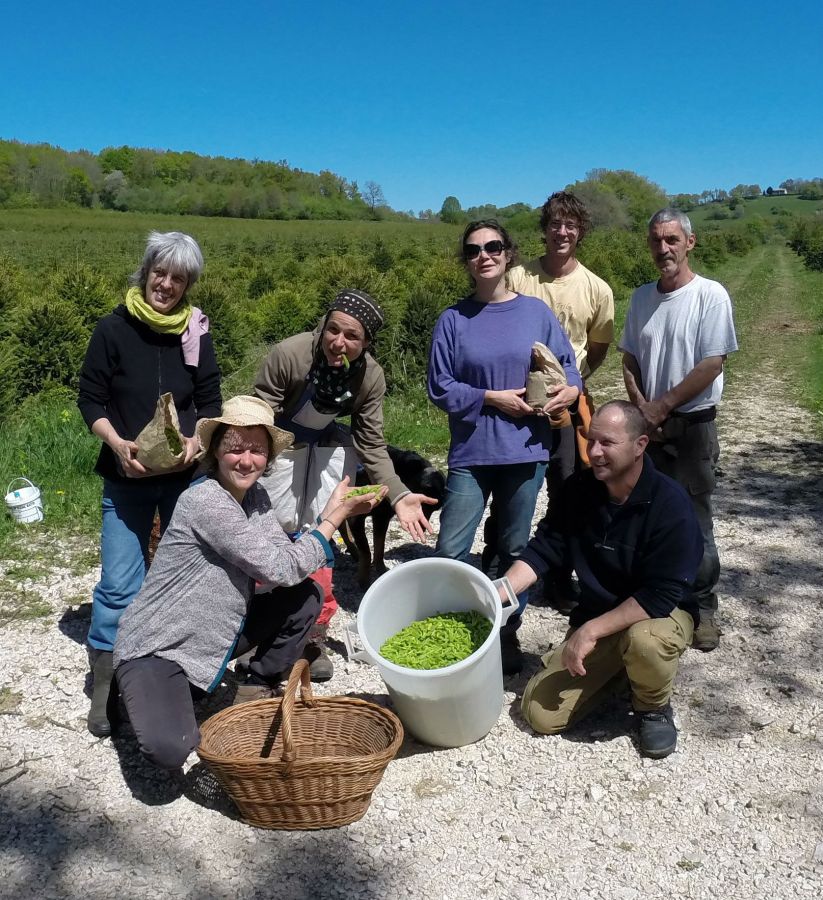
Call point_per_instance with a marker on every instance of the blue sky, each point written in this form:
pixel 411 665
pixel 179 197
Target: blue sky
pixel 489 101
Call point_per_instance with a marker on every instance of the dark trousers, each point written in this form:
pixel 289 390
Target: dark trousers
pixel 689 454
pixel 158 695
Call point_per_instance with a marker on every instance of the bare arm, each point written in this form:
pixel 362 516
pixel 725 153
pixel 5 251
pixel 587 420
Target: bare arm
pixel 595 354
pixel 521 576
pixel 583 640
pixel 633 380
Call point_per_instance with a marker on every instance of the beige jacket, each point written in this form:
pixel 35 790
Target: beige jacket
pixel 282 380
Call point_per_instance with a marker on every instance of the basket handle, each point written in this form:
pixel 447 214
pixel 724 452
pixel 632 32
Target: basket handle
pixel 300 672
pixel 19 478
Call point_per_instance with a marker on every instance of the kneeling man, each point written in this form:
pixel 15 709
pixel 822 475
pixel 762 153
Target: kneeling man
pixel 631 535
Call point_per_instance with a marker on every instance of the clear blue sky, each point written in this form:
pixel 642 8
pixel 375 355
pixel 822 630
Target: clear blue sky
pixel 489 101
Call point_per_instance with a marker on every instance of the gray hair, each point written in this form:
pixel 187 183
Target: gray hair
pixel 633 419
pixel 670 214
pixel 179 252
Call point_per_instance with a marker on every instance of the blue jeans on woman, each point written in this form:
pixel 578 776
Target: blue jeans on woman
pixel 128 516
pixel 514 488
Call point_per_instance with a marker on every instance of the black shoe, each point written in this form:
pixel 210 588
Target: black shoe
pixel 658 736
pixel 103 716
pixel 510 653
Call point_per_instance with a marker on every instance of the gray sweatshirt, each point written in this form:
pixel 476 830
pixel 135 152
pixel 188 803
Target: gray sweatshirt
pixel 192 605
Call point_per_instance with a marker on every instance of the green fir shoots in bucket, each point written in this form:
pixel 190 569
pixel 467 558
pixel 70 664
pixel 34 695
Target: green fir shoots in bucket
pixel 437 641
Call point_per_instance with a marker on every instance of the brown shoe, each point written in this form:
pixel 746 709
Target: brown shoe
pixel 248 692
pixel 707 635
pixel 316 652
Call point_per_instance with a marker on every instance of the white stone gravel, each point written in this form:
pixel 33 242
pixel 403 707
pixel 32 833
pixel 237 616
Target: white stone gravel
pixel 737 812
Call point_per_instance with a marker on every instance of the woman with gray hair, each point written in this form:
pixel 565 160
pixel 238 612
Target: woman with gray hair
pixel 154 343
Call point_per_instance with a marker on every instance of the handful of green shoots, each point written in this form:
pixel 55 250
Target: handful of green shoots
pixel 437 641
pixel 364 489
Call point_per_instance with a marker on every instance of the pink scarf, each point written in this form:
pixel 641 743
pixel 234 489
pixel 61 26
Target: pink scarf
pixel 190 339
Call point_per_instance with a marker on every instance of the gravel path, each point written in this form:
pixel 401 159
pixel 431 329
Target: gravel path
pixel 737 812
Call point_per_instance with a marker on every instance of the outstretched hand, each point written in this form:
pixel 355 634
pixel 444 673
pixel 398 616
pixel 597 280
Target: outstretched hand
pixel 409 512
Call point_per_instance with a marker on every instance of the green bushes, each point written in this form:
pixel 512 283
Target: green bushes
pixel 806 239
pixel 48 343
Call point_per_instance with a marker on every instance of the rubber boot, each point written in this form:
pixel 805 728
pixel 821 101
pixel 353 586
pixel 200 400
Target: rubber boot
pixel 103 716
pixel 321 667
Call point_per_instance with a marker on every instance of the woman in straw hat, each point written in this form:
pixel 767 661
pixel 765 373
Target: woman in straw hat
pixel 197 609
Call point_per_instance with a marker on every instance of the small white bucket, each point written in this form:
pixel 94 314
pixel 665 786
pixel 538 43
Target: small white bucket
pixel 25 504
pixel 447 707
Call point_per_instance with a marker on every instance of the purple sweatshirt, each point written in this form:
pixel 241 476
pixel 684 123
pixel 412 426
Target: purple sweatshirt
pixel 487 346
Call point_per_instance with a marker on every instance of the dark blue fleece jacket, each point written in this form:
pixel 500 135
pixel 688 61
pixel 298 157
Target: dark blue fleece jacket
pixel 648 548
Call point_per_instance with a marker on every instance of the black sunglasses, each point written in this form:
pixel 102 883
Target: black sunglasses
pixel 493 248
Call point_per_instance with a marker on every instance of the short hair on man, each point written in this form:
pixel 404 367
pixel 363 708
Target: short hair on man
pixel 565 205
pixel 670 214
pixel 636 424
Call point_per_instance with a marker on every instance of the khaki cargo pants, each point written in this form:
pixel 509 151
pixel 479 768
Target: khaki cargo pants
pixel 648 651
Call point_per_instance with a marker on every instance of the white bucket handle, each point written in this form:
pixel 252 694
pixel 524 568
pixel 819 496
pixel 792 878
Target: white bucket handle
pixel 508 611
pixel 358 651
pixel 19 478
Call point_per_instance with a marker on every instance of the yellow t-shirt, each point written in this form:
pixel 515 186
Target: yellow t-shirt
pixel 582 302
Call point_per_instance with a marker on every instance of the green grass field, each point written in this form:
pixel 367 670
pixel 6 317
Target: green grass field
pixel 769 208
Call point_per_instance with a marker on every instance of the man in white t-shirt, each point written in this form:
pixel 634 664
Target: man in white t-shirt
pixel 677 335
pixel 584 305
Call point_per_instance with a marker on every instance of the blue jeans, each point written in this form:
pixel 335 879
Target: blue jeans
pixel 514 489
pixel 128 515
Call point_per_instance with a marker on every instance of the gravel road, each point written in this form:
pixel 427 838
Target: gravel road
pixel 737 812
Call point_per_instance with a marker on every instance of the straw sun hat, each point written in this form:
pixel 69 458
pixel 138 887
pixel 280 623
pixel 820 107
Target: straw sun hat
pixel 245 412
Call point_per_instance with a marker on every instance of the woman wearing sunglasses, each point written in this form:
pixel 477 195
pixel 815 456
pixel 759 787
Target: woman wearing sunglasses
pixel 499 447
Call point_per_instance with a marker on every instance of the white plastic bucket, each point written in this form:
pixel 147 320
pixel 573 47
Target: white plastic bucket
pixel 25 503
pixel 446 707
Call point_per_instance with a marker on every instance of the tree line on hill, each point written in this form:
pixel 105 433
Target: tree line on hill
pixel 154 181
pixel 140 180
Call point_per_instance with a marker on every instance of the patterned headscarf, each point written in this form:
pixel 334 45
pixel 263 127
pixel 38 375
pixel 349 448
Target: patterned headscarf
pixel 334 386
pixel 359 305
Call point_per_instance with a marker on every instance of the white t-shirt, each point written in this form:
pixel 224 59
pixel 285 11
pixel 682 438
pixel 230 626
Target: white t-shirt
pixel 669 334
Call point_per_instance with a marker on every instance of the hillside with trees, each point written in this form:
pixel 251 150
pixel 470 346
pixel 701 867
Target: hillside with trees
pixel 165 181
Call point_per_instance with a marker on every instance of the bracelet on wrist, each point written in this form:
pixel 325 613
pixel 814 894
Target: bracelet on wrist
pixel 334 525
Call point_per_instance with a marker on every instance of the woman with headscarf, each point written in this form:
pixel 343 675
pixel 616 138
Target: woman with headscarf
pixel 313 378
pixel 156 342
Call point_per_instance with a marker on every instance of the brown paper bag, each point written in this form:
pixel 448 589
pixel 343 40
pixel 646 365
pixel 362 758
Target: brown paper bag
pixel 160 445
pixel 546 373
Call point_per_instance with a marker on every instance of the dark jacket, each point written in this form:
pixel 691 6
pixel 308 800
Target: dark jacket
pixel 648 548
pixel 126 369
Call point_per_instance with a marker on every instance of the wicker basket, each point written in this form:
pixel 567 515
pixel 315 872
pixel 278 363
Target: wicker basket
pixel 307 764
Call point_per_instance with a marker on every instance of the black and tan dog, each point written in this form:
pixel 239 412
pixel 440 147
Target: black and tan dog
pixel 420 477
